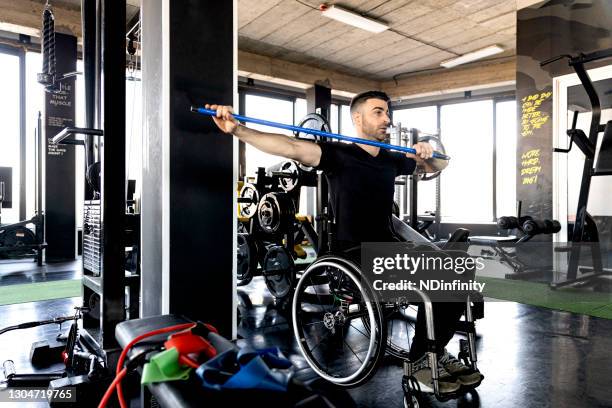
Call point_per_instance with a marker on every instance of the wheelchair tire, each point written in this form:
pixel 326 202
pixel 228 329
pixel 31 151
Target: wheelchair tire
pixel 330 303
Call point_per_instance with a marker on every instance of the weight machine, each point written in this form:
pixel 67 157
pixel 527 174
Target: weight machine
pixel 17 240
pixel 408 191
pixel 585 229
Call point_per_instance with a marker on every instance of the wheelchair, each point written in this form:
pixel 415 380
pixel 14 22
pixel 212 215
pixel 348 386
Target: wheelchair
pixel 343 330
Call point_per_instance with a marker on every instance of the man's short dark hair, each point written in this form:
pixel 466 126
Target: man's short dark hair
pixel 364 96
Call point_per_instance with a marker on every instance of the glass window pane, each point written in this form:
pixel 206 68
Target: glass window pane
pixel 34 104
pixel 277 110
pixel 333 120
pixel 467 133
pixel 425 119
pixel 505 125
pixel 300 110
pixel 346 124
pixel 10 129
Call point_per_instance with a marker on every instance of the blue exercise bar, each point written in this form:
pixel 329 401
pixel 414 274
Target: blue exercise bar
pixel 316 132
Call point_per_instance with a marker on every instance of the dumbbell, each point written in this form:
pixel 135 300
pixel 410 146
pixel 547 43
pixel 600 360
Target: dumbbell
pixel 535 227
pixel 512 222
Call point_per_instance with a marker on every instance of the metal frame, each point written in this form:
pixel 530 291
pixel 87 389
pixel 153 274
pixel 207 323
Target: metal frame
pixel 582 216
pixel 105 108
pixel 495 98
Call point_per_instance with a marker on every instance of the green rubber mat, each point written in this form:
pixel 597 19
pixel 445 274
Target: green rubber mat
pixel 32 292
pixel 595 304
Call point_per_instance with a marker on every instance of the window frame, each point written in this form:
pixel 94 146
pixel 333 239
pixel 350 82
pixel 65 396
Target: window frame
pixel 495 98
pixel 20 54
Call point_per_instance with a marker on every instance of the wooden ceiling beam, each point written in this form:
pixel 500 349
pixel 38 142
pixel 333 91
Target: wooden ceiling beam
pixel 259 66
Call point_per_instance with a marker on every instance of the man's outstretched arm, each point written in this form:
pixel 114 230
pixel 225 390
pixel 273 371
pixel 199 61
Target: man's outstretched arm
pixel 305 152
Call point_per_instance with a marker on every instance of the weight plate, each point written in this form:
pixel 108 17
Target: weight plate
pixel 312 121
pixel 93 176
pixel 292 180
pixel 247 259
pixel 437 145
pixel 248 209
pixel 275 212
pixel 279 271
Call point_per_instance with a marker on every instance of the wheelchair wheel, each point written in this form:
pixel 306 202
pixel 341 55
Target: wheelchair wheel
pixel 400 323
pixel 400 320
pixel 330 305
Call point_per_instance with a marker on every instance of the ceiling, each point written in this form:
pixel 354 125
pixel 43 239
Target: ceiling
pixel 423 33
pixel 290 41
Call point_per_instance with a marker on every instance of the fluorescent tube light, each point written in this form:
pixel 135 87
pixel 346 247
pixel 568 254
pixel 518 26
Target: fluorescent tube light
pixel 472 56
pixel 351 18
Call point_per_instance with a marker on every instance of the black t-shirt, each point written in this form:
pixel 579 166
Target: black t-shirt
pixel 361 189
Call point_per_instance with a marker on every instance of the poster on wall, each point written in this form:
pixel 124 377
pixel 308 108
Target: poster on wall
pixel 59 112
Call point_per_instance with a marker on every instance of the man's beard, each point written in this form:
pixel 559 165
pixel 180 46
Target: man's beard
pixel 374 132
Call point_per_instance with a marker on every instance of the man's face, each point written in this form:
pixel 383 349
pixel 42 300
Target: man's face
pixel 372 118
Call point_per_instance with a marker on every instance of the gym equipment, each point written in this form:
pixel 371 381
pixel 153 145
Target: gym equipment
pixel 312 121
pixel 279 271
pixel 292 175
pixel 602 168
pixel 246 369
pixel 48 77
pixel 275 212
pixel 275 225
pixel 506 249
pixel 210 112
pixel 248 199
pixel 247 258
pixel 409 184
pixel 228 380
pixel 65 349
pixel 17 240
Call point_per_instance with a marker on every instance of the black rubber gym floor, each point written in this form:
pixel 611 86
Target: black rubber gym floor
pixel 15 272
pixel 530 356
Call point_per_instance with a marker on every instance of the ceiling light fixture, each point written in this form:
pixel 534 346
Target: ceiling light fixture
pixel 472 56
pixel 351 18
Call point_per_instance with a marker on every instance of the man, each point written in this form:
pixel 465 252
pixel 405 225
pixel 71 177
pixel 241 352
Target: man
pixel 361 182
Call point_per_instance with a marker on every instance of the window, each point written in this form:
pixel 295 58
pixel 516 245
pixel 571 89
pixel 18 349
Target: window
pixel 346 122
pixel 333 118
pixel 467 183
pixel 10 129
pixel 273 109
pixel 300 110
pixel 425 119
